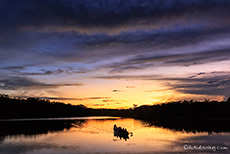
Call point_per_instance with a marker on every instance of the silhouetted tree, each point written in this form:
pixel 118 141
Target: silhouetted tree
pixel 36 108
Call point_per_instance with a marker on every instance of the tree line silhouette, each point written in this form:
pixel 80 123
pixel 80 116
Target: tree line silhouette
pixel 39 108
pixel 187 109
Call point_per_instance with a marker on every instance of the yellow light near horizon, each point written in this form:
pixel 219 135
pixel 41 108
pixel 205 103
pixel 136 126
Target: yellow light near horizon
pixel 115 94
pixel 118 97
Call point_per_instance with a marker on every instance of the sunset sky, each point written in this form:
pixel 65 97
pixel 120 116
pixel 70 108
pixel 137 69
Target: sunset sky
pixel 115 53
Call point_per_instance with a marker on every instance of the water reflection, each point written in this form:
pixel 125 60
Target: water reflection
pixel 97 136
pixel 191 125
pixel 29 129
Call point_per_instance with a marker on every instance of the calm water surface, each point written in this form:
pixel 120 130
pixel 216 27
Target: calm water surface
pixel 95 135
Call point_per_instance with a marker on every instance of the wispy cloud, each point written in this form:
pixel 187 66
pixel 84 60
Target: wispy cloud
pixel 130 87
pixel 203 83
pixel 184 59
pixel 116 90
pixel 207 84
pixel 131 77
pixel 98 105
pixel 117 16
pixel 140 26
pixel 104 99
pixel 14 67
pixel 45 72
pixel 13 83
pixel 94 98
pixel 54 72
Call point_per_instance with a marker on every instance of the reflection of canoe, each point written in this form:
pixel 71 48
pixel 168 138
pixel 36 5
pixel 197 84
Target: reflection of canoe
pixel 118 132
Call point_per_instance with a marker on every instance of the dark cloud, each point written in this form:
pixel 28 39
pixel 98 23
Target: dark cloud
pixel 57 98
pixel 185 59
pixel 13 83
pixel 79 99
pixel 98 105
pixel 206 78
pixel 45 72
pixel 54 72
pixel 14 68
pixel 196 75
pixel 105 99
pixel 92 98
pixel 203 57
pixel 209 85
pixel 55 43
pixel 156 77
pixel 103 13
pixel 125 44
pixel 98 97
pixel 115 90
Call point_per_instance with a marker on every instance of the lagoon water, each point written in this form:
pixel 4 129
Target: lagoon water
pixel 94 135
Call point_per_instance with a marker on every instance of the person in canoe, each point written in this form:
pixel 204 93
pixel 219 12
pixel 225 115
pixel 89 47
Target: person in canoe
pixel 120 132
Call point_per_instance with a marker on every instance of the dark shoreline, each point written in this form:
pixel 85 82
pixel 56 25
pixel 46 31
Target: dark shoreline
pixel 16 108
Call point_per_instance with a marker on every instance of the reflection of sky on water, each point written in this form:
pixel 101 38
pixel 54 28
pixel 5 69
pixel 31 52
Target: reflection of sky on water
pixel 96 136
